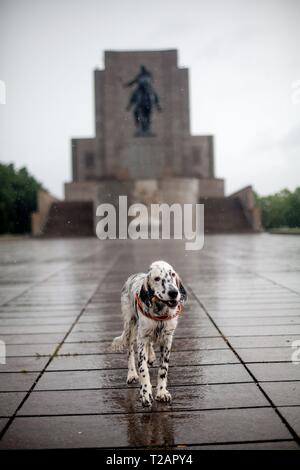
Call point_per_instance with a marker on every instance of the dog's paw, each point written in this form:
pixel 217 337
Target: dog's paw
pixel 132 378
pixel 146 398
pixel 164 396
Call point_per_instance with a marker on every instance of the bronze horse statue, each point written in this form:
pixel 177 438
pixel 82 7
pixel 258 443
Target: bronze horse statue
pixel 142 100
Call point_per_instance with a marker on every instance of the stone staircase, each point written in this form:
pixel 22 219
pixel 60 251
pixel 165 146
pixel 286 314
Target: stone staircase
pixel 75 218
pixel 69 219
pixel 224 215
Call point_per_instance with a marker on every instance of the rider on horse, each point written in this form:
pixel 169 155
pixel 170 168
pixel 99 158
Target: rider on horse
pixel 143 98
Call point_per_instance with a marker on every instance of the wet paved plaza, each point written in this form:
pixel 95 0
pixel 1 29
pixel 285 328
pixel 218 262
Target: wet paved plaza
pixel 232 378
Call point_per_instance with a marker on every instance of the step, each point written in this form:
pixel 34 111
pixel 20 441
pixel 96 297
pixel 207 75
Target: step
pixel 224 215
pixel 70 219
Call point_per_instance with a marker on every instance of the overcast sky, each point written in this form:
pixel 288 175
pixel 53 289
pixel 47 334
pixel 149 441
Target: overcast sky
pixel 243 57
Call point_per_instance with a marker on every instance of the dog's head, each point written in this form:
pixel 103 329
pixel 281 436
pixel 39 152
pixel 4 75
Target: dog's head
pixel 163 283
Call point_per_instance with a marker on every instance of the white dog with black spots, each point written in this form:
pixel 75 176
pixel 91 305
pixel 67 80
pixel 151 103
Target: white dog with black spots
pixel 150 303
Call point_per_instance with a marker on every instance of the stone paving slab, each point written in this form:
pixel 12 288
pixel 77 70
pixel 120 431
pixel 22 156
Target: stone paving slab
pixel 256 321
pixel 284 341
pixel 15 382
pixel 2 423
pixel 128 429
pixel 275 372
pixel 37 321
pixel 292 415
pixel 283 393
pixel 115 361
pixel 231 378
pixel 112 324
pixel 23 350
pixel 255 314
pixel 100 335
pixel 33 338
pixel 32 329
pixel 191 344
pixel 261 330
pixel 111 331
pixel 112 378
pixel 257 304
pixel 286 278
pixel 36 311
pixel 267 355
pixel 9 401
pixel 23 364
pixel 245 311
pixel 120 400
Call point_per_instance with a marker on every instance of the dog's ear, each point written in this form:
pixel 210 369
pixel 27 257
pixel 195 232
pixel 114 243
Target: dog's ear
pixel 182 290
pixel 146 294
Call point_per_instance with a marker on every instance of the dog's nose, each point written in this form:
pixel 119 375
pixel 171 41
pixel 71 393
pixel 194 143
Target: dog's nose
pixel 173 293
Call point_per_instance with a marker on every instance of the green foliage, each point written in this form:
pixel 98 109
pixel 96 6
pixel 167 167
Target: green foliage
pixel 281 209
pixel 18 197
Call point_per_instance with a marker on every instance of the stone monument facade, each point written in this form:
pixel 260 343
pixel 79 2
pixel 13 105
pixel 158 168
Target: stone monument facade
pixel 167 164
pixel 143 149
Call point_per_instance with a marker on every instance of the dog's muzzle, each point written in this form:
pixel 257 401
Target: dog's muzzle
pixel 172 303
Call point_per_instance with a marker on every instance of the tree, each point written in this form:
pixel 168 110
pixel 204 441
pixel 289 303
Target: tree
pixel 18 198
pixel 281 209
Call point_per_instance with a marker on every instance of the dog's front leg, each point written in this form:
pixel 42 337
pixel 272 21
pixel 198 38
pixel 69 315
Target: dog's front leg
pixel 151 354
pixel 145 384
pixel 132 374
pixel 162 393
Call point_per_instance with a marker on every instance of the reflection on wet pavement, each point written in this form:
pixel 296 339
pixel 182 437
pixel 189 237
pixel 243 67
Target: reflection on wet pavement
pixel 231 376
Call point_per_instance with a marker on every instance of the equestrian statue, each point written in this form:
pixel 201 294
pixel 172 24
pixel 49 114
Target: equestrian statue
pixel 142 100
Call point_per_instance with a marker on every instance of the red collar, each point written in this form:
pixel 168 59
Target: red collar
pixel 161 317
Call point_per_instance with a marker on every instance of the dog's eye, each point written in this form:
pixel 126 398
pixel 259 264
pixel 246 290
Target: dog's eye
pixel 156 279
pixel 173 274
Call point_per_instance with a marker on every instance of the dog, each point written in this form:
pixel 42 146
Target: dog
pixel 150 304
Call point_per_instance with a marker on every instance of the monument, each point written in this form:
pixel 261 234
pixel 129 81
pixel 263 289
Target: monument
pixel 152 155
pixel 143 147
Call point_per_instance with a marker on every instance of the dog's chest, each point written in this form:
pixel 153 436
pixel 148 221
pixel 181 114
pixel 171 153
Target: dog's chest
pixel 157 330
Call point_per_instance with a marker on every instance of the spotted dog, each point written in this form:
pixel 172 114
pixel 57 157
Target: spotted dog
pixel 150 305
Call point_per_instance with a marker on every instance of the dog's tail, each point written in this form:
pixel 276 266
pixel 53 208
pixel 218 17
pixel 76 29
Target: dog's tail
pixel 119 343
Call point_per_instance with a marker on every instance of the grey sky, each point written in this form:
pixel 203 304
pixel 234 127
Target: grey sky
pixel 243 57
